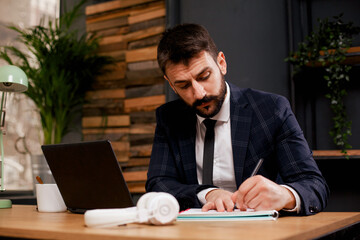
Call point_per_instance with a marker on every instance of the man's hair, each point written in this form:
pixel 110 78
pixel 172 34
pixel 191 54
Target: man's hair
pixel 182 43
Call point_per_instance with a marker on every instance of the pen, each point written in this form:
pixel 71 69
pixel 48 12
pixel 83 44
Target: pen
pixel 38 178
pixel 258 165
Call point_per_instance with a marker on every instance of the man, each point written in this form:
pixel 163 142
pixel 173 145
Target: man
pixel 250 125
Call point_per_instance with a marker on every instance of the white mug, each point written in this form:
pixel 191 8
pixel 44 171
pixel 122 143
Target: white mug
pixel 49 198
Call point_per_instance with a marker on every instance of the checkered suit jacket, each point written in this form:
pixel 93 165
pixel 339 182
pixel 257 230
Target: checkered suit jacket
pixel 262 126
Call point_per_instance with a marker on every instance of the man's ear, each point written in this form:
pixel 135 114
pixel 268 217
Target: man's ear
pixel 222 63
pixel 171 85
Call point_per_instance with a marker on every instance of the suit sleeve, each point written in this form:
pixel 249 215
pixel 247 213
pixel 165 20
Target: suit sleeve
pixel 297 167
pixel 166 172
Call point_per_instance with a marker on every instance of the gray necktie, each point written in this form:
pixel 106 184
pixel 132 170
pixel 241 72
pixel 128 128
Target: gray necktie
pixel 208 157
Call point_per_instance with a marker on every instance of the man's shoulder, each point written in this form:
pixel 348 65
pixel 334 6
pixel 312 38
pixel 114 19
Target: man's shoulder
pixel 255 97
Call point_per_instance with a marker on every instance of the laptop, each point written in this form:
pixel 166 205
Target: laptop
pixel 88 175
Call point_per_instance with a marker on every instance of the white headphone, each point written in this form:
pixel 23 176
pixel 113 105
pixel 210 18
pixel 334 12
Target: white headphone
pixel 154 207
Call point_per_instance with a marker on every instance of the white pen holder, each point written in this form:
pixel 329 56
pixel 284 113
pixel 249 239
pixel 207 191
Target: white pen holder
pixel 49 198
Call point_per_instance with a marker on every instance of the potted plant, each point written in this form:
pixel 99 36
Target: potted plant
pixel 61 68
pixel 61 65
pixel 326 47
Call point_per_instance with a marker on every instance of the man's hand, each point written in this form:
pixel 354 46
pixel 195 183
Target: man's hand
pixel 220 200
pixel 260 193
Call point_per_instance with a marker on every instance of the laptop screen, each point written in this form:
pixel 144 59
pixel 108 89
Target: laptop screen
pixel 88 175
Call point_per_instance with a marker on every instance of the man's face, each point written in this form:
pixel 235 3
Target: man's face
pixel 200 84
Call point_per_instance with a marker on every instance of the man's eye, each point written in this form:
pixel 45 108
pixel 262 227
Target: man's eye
pixel 204 76
pixel 184 85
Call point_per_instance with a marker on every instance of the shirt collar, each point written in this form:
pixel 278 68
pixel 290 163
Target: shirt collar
pixel 224 114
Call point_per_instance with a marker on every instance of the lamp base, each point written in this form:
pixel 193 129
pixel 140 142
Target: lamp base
pixel 5 203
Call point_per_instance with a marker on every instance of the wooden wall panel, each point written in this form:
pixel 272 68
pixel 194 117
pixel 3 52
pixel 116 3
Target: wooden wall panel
pixel 121 106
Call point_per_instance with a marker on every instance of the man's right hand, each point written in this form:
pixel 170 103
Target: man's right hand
pixel 220 200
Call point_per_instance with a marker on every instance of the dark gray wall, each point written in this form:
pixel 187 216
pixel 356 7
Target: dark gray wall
pixel 252 35
pixel 257 35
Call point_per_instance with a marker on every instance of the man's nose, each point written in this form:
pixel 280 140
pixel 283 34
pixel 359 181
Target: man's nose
pixel 199 91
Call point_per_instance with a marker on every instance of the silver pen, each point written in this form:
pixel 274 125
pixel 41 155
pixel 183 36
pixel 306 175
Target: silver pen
pixel 258 165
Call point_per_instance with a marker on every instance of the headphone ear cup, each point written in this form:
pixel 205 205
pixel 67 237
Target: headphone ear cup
pixel 163 209
pixel 143 200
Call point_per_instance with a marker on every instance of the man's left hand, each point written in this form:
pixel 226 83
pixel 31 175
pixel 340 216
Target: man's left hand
pixel 219 200
pixel 260 193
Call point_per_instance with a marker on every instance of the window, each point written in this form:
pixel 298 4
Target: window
pixel 23 128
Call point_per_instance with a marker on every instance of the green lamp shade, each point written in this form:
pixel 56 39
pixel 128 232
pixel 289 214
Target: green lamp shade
pixel 12 79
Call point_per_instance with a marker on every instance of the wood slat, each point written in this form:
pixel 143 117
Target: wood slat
pixel 105 94
pixel 142 118
pixel 124 83
pixel 136 187
pixel 102 111
pixel 143 43
pixel 106 135
pixel 133 35
pixel 144 65
pixel 118 72
pixel 113 31
pixel 117 55
pixel 122 156
pixel 148 128
pixel 145 91
pixel 111 137
pixel 142 54
pixel 105 104
pixel 120 146
pixel 141 151
pixel 149 73
pixel 136 9
pixel 143 103
pixel 135 176
pixel 352 57
pixel 336 153
pixel 105 130
pixel 111 23
pixel 112 5
pixel 106 121
pixel 112 47
pixel 112 76
pixel 147 24
pixel 141 139
pixel 136 18
pixel 136 162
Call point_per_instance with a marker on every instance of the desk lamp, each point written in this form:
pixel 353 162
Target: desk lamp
pixel 12 79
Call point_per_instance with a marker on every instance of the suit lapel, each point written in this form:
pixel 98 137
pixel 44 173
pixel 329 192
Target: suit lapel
pixel 187 147
pixel 240 115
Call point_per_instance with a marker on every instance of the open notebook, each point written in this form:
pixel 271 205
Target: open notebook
pixel 195 214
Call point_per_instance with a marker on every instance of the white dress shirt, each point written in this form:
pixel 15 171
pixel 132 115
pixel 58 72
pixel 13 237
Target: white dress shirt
pixel 223 166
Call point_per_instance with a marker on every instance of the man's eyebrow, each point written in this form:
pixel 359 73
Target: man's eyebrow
pixel 197 75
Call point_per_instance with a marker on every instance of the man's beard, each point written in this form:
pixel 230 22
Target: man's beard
pixel 218 101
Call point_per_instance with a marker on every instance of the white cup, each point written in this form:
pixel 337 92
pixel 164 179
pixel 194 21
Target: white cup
pixel 49 198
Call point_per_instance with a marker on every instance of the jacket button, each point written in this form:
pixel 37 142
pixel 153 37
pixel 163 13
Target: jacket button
pixel 313 209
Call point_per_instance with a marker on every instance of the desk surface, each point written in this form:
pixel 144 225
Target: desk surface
pixel 25 222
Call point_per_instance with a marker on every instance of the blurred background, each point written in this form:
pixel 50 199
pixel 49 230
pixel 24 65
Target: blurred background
pixel 256 37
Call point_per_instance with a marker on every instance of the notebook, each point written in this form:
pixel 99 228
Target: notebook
pixel 196 214
pixel 88 175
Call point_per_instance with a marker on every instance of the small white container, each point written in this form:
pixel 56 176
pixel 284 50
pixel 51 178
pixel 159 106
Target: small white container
pixel 49 198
